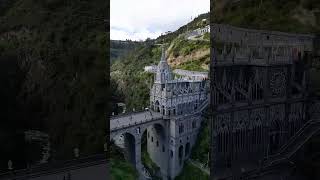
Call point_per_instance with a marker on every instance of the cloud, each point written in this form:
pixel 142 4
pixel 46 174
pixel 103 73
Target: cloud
pixel 140 19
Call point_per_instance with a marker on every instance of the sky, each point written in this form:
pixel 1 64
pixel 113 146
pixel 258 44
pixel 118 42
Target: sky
pixel 142 19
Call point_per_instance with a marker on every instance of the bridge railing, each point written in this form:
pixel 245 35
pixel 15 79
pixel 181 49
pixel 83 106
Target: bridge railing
pixel 114 117
pixel 148 118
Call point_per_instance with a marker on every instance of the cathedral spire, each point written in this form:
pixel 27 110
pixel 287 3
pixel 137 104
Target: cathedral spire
pixel 163 72
pixel 163 55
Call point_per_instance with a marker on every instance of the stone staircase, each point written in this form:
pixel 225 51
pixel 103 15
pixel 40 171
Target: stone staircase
pixel 295 143
pixel 204 105
pixel 273 163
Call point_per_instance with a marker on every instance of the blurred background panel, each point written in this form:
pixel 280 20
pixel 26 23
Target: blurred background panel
pixel 265 61
pixel 54 73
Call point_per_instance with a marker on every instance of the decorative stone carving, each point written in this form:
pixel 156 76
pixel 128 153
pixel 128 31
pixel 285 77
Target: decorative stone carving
pixel 278 83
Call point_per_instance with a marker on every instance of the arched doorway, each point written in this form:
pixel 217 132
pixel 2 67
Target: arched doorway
pixel 154 150
pixel 157 106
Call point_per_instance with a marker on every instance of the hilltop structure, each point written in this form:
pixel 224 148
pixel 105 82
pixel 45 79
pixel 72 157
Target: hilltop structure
pixel 259 102
pixel 198 32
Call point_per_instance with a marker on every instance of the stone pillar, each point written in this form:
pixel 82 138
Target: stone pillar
pixel 174 166
pixel 138 164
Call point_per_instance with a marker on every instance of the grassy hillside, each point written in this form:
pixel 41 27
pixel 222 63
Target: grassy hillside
pixel 189 54
pixel 196 23
pixel 55 52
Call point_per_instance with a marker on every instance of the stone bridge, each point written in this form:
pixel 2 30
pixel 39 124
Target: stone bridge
pixel 133 123
pixel 127 131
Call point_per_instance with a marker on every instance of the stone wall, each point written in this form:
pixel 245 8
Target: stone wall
pixel 244 46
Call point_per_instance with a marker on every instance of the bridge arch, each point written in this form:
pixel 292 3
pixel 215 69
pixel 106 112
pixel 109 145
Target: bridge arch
pixel 127 142
pixel 154 144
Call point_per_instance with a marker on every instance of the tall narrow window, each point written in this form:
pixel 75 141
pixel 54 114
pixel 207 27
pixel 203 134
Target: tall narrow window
pixel 194 124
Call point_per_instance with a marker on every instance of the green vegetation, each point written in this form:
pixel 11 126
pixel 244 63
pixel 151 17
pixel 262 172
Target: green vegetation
pixel 55 52
pixel 201 148
pixel 281 15
pixel 122 170
pixel 206 36
pixel 119 168
pixel 120 48
pixel 132 85
pixel 152 167
pixel 196 23
pixel 191 65
pixel 182 47
pixel 132 81
pixel 127 72
pixel 190 172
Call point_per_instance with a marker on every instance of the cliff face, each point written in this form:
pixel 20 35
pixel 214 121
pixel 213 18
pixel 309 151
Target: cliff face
pixel 56 81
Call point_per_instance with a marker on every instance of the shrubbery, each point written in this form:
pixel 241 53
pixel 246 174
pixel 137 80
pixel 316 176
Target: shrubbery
pixel 268 15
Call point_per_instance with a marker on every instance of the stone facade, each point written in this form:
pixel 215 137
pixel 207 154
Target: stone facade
pixel 178 100
pixel 257 47
pixel 258 95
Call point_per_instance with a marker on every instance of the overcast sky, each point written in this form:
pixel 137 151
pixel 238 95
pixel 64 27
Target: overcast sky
pixel 140 19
